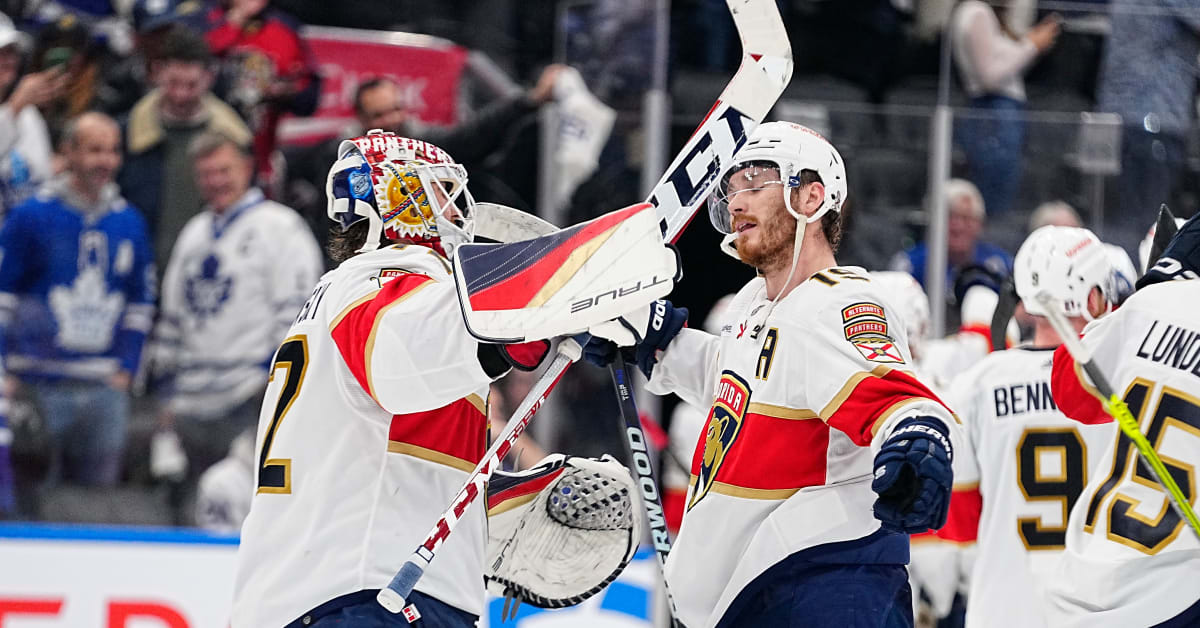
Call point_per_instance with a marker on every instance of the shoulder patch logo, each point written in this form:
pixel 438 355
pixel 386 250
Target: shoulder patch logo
pixel 866 327
pixel 387 274
pixel 724 424
pixel 882 350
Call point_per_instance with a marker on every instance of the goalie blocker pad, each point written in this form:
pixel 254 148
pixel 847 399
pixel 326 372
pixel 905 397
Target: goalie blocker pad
pixel 560 532
pixel 567 281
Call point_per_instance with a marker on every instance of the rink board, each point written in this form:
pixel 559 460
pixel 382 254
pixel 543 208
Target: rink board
pixel 54 576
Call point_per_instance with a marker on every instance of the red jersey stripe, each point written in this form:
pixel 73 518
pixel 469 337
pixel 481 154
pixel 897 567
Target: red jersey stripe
pixel 354 330
pixel 868 399
pixel 457 430
pixel 1075 397
pixel 962 523
pixel 773 453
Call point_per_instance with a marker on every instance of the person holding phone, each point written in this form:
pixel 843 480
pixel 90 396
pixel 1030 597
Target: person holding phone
pixel 25 151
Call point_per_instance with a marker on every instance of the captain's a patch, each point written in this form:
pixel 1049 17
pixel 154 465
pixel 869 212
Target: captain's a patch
pixel 866 327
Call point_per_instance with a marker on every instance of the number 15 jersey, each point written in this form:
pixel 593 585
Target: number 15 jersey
pixel 1130 559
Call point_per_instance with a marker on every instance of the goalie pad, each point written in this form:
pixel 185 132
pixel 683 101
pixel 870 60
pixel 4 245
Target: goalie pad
pixel 567 281
pixel 560 532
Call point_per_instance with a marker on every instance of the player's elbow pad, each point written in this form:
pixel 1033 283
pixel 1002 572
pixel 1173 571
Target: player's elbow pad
pixel 497 360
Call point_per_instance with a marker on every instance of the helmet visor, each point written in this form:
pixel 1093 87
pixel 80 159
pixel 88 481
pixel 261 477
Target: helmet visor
pixel 744 178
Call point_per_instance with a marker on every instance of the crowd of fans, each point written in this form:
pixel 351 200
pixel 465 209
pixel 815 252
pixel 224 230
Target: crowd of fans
pixel 139 139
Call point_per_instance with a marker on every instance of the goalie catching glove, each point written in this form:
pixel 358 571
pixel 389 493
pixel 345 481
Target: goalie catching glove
pixel 560 532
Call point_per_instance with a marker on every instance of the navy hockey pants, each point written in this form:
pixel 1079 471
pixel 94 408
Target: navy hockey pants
pixel 360 610
pixel 820 595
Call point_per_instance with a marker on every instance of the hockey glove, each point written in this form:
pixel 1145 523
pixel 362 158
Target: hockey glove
pixel 913 476
pixel 496 360
pixel 662 323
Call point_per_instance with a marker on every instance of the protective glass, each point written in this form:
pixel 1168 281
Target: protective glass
pixel 740 179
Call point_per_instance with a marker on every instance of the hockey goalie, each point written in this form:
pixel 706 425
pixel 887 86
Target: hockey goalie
pixel 376 410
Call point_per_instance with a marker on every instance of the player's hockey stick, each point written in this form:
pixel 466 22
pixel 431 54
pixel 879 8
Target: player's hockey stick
pixel 1116 407
pixel 636 447
pixel 765 71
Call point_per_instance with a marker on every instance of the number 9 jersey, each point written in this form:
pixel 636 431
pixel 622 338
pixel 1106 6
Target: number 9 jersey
pixel 1015 482
pixel 1130 558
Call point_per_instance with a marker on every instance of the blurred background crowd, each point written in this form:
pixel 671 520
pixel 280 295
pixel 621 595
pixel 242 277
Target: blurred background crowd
pixel 140 309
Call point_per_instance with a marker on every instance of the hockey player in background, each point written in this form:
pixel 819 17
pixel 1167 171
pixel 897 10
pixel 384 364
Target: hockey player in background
pixel 1023 464
pixel 810 409
pixel 375 414
pixel 1130 559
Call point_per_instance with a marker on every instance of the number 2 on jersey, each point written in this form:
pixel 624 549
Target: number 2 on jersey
pixel 1063 486
pixel 275 474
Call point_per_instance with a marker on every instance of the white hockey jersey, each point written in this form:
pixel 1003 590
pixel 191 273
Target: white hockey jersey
pixel 1130 559
pixel 374 417
pixel 232 288
pixel 1023 469
pixel 795 400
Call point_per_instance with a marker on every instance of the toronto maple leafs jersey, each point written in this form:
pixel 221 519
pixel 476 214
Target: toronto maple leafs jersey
pixel 76 287
pixel 231 290
pixel 796 400
pixel 1130 559
pixel 374 418
pixel 1015 482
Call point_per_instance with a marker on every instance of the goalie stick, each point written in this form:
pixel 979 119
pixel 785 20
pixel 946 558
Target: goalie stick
pixel 1115 407
pixel 765 71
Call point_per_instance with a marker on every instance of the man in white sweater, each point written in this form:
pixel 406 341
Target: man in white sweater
pixel 237 276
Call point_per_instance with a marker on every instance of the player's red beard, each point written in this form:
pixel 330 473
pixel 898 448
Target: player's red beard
pixel 771 248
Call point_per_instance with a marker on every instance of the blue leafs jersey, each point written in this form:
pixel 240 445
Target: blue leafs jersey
pixel 76 287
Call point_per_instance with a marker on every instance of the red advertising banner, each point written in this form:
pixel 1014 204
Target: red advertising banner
pixel 427 69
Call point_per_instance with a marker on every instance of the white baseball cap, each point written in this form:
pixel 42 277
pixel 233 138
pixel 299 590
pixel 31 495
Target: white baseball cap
pixel 9 35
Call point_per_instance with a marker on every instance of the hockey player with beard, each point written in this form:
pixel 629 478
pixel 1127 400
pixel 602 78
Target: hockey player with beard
pixel 1023 464
pixel 1130 558
pixel 376 411
pixel 813 420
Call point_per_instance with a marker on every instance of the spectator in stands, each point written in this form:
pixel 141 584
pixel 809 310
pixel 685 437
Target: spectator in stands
pixel 379 104
pixel 77 295
pixel 1057 213
pixel 992 62
pixel 66 43
pixel 1148 76
pixel 152 21
pixel 24 141
pixel 158 176
pixel 239 272
pixel 967 218
pixel 268 69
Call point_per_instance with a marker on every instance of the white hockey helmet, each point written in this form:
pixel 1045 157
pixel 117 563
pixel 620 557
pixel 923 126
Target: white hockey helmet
pixel 788 149
pixel 908 297
pixel 1066 262
pixel 404 187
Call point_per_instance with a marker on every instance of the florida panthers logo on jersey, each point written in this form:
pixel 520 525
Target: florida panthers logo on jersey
pixel 724 424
